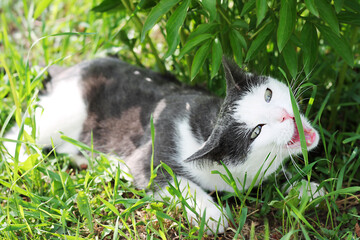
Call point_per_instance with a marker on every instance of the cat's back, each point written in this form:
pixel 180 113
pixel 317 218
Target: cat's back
pixel 120 99
pixel 112 80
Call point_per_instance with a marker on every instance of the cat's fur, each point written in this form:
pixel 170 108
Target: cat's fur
pixel 194 130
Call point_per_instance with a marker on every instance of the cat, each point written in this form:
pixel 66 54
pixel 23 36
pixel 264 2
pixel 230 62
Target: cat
pixel 107 103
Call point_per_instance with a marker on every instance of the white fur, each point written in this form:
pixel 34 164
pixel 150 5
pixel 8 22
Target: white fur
pixel 186 143
pixel 62 112
pixel 13 134
pixel 311 189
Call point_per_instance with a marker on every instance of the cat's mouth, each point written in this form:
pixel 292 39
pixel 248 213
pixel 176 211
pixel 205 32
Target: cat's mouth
pixel 310 136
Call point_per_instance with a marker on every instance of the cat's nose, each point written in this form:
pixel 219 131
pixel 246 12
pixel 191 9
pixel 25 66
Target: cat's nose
pixel 285 115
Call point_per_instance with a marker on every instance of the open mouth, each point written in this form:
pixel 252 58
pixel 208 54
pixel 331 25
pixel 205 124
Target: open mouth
pixel 310 136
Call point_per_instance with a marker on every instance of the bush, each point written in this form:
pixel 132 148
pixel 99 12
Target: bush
pixel 312 44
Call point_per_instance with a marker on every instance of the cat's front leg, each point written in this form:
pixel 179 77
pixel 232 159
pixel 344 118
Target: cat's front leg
pixel 11 146
pixel 312 189
pixel 197 199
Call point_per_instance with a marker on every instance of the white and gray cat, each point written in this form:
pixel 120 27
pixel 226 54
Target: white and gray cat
pixel 194 130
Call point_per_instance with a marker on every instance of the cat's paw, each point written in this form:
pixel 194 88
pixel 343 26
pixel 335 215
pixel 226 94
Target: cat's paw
pixel 215 219
pixel 79 162
pixel 313 189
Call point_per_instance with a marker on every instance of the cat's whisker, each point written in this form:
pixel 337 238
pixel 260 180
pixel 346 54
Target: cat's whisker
pixel 302 92
pixel 283 168
pixel 299 85
pixel 310 72
pixel 298 169
pixel 284 171
pixel 296 93
pixel 292 85
pixel 295 80
pixel 304 100
pixel 305 78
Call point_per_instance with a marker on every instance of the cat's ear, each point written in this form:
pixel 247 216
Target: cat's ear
pixel 55 70
pixel 234 75
pixel 209 151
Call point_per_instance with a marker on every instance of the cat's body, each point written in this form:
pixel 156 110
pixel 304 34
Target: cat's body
pixel 107 104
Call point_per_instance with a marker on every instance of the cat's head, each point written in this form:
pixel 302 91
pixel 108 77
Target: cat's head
pixel 255 120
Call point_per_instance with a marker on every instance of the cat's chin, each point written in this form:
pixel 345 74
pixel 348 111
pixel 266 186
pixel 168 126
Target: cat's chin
pixel 311 137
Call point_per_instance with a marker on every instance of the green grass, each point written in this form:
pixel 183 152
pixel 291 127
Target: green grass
pixel 45 198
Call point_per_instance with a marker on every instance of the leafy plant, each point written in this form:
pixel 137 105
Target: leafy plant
pixel 313 42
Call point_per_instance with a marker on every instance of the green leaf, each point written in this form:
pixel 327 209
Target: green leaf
pixel 340 46
pixel 51 174
pixel 173 26
pixel 338 4
pixel 248 6
pixel 310 43
pixel 160 9
pixel 243 217
pixel 291 59
pixel 287 20
pixel 328 14
pixel 189 45
pixel 63 236
pixel 152 170
pixel 124 38
pixel 108 5
pixel 15 188
pixel 351 139
pixel 168 169
pixel 238 38
pixel 240 24
pixel 311 99
pixel 236 47
pixel 204 28
pixel 14 227
pixel 202 224
pixel 85 210
pixel 162 235
pixel 261 9
pixel 310 4
pixel 216 57
pixel 288 235
pixel 210 6
pixel 78 144
pixel 41 7
pixel 262 38
pixel 349 18
pixel 300 127
pixel 163 215
pixel 199 59
pixel 110 206
pixel 353 5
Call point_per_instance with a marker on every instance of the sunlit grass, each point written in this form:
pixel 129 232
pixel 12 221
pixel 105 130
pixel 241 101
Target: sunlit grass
pixel 45 198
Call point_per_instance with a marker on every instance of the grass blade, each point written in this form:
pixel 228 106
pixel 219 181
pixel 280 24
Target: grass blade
pixel 300 127
pixel 85 209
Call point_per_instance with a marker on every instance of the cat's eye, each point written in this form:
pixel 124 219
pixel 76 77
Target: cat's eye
pixel 256 131
pixel 268 95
